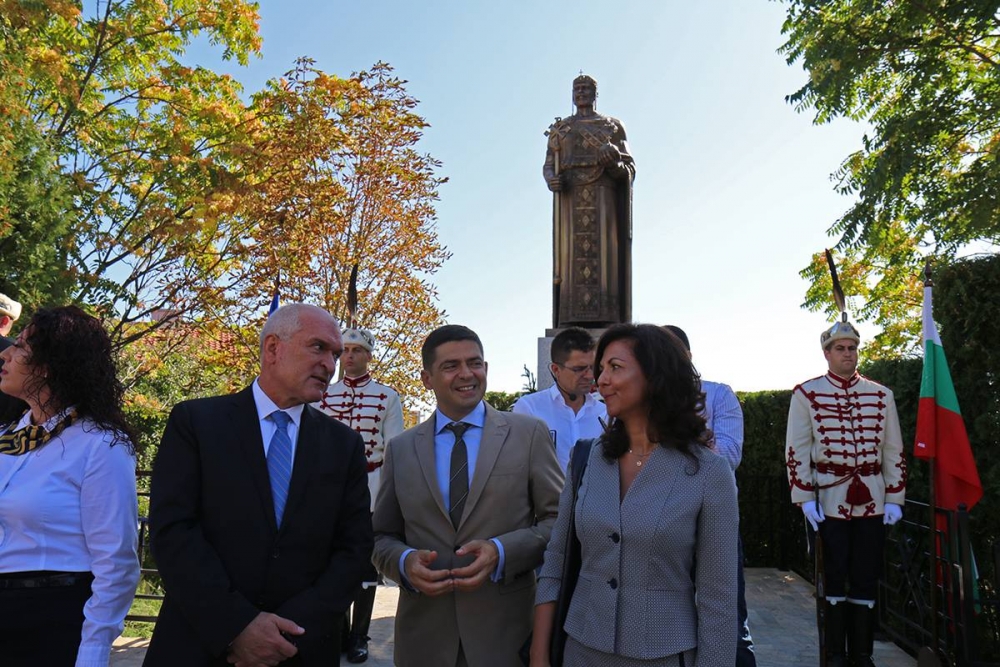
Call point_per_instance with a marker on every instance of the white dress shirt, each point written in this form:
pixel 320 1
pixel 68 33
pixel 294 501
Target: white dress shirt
pixel 565 426
pixel 70 506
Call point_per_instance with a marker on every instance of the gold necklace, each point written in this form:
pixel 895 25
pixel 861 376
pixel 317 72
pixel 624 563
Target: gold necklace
pixel 640 457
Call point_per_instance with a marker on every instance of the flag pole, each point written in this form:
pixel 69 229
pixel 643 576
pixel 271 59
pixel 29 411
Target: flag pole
pixel 928 656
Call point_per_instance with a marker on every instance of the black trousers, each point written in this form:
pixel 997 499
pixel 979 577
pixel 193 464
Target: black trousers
pixel 41 626
pixel 852 556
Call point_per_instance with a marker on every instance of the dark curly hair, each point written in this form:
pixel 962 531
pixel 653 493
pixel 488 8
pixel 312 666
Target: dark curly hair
pixel 674 399
pixel 72 357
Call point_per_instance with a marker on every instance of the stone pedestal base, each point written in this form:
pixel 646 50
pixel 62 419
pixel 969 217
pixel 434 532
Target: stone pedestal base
pixel 543 374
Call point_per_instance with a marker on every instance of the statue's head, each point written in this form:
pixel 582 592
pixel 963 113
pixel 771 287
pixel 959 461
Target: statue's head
pixel 584 90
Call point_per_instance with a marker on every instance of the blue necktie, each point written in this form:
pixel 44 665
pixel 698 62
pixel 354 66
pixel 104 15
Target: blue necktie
pixel 279 462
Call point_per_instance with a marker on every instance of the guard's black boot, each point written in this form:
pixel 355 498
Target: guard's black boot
pixel 861 638
pixel 357 650
pixel 836 629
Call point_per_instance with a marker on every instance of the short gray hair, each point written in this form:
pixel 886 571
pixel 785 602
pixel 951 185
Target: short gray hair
pixel 283 323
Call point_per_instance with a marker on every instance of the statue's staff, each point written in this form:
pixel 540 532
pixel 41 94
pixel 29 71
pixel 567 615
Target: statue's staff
pixel 555 133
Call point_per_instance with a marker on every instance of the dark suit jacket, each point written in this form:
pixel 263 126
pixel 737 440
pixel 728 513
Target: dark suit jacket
pixel 215 541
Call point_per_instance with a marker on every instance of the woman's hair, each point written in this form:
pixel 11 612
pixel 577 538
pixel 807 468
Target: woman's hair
pixel 71 355
pixel 674 400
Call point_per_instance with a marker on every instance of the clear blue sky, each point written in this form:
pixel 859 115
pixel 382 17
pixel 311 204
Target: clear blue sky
pixel 732 192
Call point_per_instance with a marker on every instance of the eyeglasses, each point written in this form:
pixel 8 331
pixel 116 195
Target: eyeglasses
pixel 578 370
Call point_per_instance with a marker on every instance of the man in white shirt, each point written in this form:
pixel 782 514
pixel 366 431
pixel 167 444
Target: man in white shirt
pixel 569 407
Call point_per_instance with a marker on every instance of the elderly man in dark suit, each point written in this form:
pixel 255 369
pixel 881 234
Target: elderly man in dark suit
pixel 259 513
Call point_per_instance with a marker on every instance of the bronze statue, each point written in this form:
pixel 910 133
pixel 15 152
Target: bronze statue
pixel 590 172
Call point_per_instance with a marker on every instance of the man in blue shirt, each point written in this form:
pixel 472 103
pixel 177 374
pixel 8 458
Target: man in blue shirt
pixel 463 515
pixel 724 417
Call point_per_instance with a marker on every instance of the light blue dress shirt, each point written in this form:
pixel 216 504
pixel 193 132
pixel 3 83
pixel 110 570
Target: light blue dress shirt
pixel 724 416
pixel 444 443
pixel 265 406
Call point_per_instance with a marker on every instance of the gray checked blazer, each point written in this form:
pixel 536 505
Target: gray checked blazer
pixel 662 561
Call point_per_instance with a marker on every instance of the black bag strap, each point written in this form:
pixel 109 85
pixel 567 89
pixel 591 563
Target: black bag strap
pixel 580 456
pixel 572 556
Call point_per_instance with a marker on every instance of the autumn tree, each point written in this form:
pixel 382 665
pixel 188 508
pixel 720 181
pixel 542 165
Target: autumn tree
pixel 35 216
pixel 141 138
pixel 171 193
pixel 341 182
pixel 925 77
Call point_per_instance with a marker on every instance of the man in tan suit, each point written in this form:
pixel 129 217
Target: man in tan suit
pixel 467 502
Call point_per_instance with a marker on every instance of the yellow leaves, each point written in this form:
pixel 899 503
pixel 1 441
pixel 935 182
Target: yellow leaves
pixel 42 55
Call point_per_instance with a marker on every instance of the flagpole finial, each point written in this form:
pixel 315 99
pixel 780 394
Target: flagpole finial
pixel 928 281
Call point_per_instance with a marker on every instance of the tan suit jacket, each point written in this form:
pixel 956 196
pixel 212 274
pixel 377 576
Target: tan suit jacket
pixel 513 497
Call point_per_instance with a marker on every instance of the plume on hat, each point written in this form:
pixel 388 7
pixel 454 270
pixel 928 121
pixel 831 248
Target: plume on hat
pixel 843 328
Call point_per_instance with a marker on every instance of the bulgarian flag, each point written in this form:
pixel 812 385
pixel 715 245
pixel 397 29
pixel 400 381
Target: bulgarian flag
pixel 941 435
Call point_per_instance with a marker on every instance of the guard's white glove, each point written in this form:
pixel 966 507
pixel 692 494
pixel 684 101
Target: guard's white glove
pixel 893 513
pixel 814 515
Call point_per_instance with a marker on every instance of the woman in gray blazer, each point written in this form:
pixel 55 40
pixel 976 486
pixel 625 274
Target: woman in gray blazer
pixel 657 519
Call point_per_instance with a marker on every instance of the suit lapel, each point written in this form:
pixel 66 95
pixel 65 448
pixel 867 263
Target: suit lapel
pixel 423 443
pixel 307 458
pixel 495 430
pixel 246 430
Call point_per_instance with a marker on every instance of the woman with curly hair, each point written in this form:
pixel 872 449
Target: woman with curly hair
pixel 656 518
pixel 68 513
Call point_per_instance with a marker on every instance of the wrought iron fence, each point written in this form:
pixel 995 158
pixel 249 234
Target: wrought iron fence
pixel 962 619
pixel 150 586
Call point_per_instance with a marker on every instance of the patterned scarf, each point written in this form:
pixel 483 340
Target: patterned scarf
pixel 32 437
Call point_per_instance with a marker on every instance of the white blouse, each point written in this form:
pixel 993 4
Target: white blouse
pixel 71 506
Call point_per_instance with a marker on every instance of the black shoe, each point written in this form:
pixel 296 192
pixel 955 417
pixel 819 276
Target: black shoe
pixel 357 649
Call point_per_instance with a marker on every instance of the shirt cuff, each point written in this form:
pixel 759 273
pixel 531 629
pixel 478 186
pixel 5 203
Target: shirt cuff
pixel 402 572
pixel 498 572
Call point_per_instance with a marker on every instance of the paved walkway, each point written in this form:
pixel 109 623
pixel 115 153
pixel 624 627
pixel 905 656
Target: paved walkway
pixel 782 619
pixel 783 623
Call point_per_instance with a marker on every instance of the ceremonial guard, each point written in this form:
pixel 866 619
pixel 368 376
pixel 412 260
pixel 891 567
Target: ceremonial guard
pixel 373 410
pixel 844 454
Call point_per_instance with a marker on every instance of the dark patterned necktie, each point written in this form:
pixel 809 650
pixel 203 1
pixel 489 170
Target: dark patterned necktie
pixel 458 487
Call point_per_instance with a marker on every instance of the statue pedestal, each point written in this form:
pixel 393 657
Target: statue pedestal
pixel 543 375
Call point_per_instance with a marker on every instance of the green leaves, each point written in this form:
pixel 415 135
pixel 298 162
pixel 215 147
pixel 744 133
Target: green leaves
pixel 133 182
pixel 926 77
